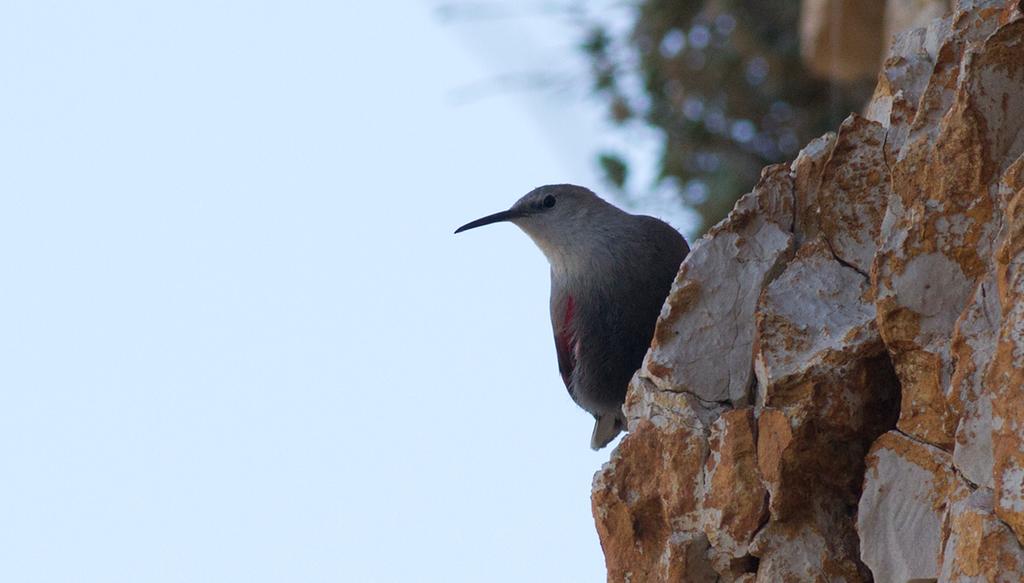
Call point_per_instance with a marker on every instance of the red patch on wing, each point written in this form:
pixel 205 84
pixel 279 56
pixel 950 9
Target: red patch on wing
pixel 564 341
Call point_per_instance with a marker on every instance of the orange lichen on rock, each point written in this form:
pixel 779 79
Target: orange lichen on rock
pixel 642 500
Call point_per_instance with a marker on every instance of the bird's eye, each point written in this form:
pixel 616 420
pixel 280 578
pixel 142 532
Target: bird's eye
pixel 549 201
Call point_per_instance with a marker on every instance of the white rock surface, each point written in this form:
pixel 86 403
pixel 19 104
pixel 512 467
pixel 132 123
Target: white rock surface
pixel 703 342
pixel 817 308
pixel 901 510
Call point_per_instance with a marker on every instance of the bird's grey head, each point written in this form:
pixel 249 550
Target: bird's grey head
pixel 562 219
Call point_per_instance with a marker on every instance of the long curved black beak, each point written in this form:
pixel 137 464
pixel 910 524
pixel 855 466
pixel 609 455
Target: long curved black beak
pixel 495 218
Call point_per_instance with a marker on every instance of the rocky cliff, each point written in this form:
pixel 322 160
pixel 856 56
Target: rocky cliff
pixel 834 390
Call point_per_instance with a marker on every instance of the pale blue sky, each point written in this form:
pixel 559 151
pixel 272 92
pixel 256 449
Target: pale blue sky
pixel 238 341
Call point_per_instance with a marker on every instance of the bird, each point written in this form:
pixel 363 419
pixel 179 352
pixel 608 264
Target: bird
pixel 610 274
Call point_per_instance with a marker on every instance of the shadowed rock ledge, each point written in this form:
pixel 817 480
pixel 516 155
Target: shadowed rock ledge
pixel 834 389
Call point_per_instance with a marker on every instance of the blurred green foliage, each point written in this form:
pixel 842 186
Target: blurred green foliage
pixel 723 82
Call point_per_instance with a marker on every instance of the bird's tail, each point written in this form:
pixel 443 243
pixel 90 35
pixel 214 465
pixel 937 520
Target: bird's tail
pixel 606 427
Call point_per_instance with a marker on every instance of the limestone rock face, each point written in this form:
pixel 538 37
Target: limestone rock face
pixel 723 277
pixel 907 489
pixel 979 547
pixel 835 387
